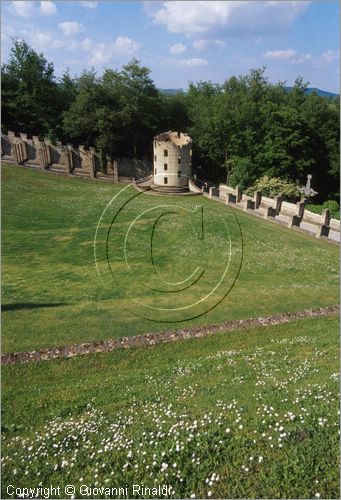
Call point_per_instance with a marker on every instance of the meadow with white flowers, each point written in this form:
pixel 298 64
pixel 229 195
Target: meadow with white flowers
pixel 243 414
pixel 52 294
pixel 250 413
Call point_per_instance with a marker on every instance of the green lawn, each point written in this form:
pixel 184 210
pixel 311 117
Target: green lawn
pixel 52 294
pixel 244 414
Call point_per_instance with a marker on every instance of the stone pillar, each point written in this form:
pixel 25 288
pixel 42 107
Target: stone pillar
pixel 14 152
pixel 325 217
pixel 69 159
pixel 43 155
pixel 294 220
pixel 41 152
pixel 20 148
pixel 210 192
pixel 300 209
pixel 115 169
pixel 322 230
pixel 278 204
pixel 257 197
pixel 238 194
pixel 12 138
pixel 92 163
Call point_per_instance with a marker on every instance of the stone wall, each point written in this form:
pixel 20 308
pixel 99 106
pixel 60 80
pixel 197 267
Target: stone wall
pixel 69 160
pixel 293 215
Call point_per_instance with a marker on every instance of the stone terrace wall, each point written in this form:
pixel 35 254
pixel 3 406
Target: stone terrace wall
pixel 68 160
pixel 293 215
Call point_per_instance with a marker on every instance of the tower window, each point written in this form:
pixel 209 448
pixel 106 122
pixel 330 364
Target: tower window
pixel 179 160
pixel 165 152
pixel 165 166
pixel 179 173
pixel 155 171
pixel 155 158
pixel 165 180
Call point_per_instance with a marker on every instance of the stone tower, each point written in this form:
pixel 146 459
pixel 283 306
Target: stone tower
pixel 172 161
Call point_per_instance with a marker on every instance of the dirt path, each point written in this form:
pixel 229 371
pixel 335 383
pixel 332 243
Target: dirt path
pixel 161 337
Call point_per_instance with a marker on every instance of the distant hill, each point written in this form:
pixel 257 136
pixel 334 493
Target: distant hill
pixel 323 93
pixel 171 91
pixel 310 90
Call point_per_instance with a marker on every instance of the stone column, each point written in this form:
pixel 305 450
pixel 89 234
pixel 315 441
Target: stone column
pixel 92 163
pixel 43 156
pixel 14 152
pixel 21 151
pixel 41 152
pixel 257 197
pixel 278 204
pixel 210 192
pixel 325 217
pixel 300 209
pixel 69 159
pixel 11 138
pixel 115 169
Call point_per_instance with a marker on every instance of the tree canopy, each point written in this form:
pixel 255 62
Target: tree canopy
pixel 243 129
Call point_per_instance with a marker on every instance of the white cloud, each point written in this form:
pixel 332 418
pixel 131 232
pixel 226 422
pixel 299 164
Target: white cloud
pixel 203 44
pixel 178 48
pixel 196 61
pixel 102 53
pixel 22 8
pixel 329 56
pixel 70 27
pixel 200 44
pixel 48 8
pixel 87 43
pixel 303 58
pixel 230 17
pixel 89 4
pixel 125 45
pixel 280 54
pixel 41 40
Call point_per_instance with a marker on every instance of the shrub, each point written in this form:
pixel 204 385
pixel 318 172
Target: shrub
pixel 332 206
pixel 275 186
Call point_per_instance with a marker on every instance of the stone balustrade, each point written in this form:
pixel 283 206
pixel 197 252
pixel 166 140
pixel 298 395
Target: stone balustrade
pixel 66 159
pixel 293 215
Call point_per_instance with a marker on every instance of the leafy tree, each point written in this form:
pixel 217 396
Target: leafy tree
pixel 242 130
pixel 31 100
pixel 247 128
pixel 117 112
pixel 80 121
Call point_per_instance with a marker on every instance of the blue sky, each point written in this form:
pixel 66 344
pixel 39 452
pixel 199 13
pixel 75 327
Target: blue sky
pixel 182 41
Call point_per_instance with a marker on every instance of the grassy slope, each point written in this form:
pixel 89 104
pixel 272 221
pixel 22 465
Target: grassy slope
pixel 48 229
pixel 275 388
